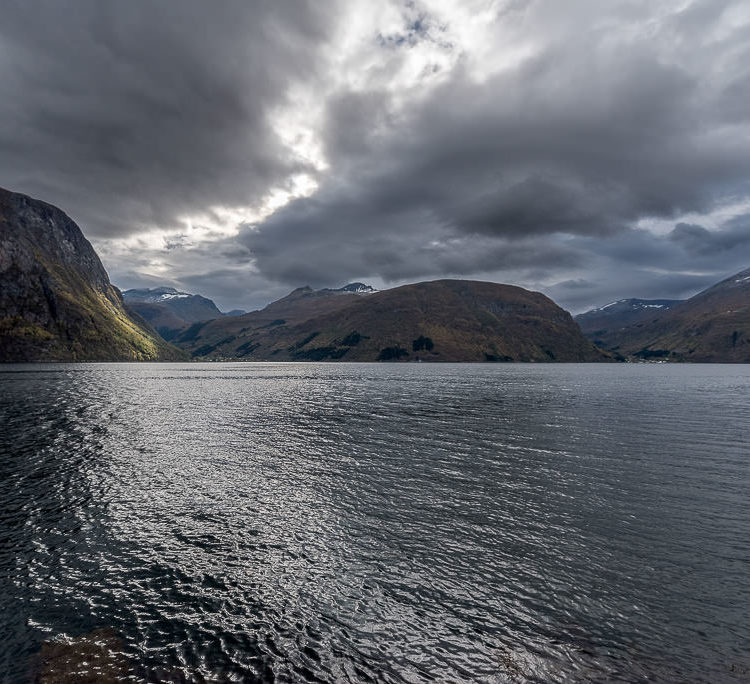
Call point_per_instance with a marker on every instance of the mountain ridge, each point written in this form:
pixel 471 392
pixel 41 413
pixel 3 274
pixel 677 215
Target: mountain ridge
pixel 170 311
pixel 712 326
pixel 443 320
pixel 56 300
pixel 603 323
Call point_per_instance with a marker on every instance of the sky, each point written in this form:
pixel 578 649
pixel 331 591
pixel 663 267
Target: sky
pixel 590 150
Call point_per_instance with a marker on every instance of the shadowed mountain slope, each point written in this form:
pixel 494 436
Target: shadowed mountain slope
pixel 712 326
pixel 603 324
pixel 159 317
pixel 169 311
pixel 56 301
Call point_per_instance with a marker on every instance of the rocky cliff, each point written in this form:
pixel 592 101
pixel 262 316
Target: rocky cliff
pixel 56 301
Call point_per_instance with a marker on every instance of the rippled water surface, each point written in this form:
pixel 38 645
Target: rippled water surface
pixel 364 522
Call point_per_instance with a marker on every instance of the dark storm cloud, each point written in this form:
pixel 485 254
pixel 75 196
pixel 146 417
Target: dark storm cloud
pixel 393 244
pixel 535 148
pixel 699 241
pixel 130 114
pixel 588 136
pixel 584 295
pixel 638 263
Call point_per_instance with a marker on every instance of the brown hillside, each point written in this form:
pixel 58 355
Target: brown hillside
pixel 445 320
pixel 711 327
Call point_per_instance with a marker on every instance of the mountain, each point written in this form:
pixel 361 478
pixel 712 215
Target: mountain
pixel 444 320
pixel 169 311
pixel 712 326
pixel 603 324
pixel 56 301
pixel 298 306
pixel 353 288
pixel 189 307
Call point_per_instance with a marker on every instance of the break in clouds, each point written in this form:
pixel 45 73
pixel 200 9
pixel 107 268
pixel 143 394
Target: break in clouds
pixel 591 150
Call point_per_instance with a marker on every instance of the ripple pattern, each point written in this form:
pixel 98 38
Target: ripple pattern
pixel 378 523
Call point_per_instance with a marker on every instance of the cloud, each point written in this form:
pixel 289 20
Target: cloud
pixel 639 263
pixel 696 240
pixel 584 137
pixel 132 116
pixel 521 141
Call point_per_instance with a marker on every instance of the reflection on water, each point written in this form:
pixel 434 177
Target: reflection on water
pixel 360 522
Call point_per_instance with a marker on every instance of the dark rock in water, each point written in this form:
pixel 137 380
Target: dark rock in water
pixel 56 301
pixel 95 658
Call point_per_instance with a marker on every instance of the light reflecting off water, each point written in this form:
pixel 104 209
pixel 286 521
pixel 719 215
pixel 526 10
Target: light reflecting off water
pixel 365 522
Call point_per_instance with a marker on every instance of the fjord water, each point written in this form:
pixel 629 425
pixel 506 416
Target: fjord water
pixel 359 522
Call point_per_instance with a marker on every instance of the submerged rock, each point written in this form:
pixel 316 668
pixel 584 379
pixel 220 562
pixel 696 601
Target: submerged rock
pixel 95 658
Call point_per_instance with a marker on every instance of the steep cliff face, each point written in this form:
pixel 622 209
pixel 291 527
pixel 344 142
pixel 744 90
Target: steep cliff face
pixel 445 320
pixel 56 301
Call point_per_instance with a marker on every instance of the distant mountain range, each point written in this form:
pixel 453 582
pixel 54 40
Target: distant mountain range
pixel 56 301
pixel 712 326
pixel 444 320
pixel 169 311
pixel 57 304
pixel 604 324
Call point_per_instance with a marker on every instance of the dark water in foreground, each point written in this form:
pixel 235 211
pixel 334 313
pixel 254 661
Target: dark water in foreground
pixel 380 522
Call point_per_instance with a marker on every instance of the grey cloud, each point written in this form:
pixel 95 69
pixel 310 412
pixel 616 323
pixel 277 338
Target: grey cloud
pixel 697 240
pixel 219 270
pixel 539 174
pixel 541 204
pixel 585 138
pixel 132 114
pixel 637 263
pixel 235 288
pixel 617 283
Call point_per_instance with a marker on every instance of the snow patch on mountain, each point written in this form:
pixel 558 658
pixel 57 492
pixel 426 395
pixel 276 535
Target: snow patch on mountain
pixel 352 288
pixel 176 295
pixel 633 304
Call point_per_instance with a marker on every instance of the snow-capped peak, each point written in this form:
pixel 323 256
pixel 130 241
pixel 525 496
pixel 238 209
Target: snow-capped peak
pixel 155 295
pixel 636 304
pixel 606 306
pixel 352 288
pixel 172 295
pixel 358 288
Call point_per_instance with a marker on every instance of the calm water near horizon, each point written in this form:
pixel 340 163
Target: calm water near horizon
pixel 375 522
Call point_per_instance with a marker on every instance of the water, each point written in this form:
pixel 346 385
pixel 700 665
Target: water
pixel 364 522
